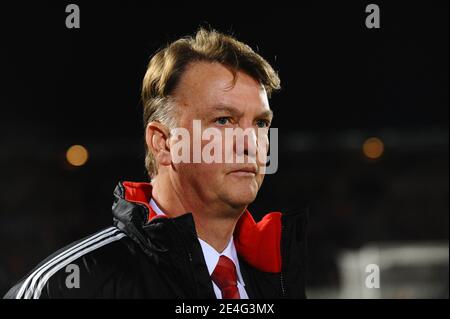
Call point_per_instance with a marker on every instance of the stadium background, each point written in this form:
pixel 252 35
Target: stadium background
pixel 342 85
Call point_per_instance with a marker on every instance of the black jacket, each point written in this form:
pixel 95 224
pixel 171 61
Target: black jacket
pixel 144 256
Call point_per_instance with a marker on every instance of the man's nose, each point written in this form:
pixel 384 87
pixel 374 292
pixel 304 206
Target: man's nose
pixel 246 136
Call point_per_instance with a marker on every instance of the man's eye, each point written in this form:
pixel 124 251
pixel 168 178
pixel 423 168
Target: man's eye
pixel 223 120
pixel 262 123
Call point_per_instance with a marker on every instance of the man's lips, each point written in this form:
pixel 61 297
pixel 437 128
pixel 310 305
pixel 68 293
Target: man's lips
pixel 245 171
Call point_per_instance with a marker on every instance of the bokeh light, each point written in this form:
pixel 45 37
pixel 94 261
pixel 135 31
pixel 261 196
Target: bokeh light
pixel 373 148
pixel 77 155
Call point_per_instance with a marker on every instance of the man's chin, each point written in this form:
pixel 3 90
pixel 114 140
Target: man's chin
pixel 239 192
pixel 241 198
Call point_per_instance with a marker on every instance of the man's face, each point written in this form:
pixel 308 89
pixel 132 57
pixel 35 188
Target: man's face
pixel 206 92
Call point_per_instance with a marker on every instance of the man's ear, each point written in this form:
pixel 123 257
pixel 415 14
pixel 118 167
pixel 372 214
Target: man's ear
pixel 157 137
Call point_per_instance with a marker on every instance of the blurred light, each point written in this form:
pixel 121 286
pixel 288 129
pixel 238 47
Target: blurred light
pixel 373 148
pixel 77 155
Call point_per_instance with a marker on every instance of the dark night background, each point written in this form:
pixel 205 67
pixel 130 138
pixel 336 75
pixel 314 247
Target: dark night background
pixel 341 84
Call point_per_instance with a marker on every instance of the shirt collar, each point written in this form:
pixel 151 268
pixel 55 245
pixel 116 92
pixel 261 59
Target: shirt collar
pixel 211 255
pixel 156 208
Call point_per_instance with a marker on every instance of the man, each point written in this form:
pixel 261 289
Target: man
pixel 188 233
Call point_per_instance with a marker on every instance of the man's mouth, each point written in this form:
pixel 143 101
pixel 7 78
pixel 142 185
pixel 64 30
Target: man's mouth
pixel 245 171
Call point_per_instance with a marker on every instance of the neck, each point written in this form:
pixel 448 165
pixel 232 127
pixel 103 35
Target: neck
pixel 214 228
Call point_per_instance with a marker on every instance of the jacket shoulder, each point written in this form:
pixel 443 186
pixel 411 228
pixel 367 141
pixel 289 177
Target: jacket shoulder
pixel 83 269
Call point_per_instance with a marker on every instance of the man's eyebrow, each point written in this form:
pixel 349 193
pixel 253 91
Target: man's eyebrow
pixel 266 114
pixel 236 112
pixel 228 108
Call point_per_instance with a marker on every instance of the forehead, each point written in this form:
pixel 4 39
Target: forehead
pixel 205 84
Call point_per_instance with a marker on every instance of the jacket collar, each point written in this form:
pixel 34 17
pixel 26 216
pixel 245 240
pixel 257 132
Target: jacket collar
pixel 258 243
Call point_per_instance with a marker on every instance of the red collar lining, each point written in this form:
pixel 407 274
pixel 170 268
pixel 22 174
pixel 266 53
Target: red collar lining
pixel 258 243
